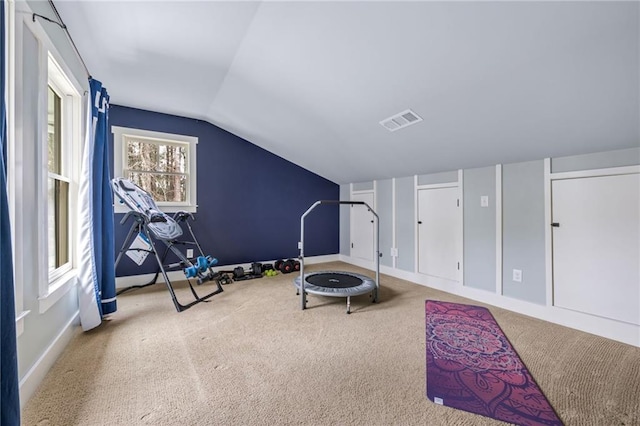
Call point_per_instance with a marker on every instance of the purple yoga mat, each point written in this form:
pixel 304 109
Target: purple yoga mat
pixel 472 366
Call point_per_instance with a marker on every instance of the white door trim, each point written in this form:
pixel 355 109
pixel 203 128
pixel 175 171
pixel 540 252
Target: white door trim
pixel 611 171
pixel 498 229
pixel 548 236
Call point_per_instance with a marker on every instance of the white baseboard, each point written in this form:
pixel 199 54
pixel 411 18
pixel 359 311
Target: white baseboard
pixel 611 329
pixel 131 280
pixel 41 367
pixel 123 282
pixel 312 260
pixel 367 264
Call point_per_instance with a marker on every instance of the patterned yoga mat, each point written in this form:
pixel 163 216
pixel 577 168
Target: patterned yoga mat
pixel 472 366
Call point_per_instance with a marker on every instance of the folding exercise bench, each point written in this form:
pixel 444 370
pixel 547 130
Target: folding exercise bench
pixel 150 223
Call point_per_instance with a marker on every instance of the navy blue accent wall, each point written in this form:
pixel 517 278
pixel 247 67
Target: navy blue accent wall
pixel 249 200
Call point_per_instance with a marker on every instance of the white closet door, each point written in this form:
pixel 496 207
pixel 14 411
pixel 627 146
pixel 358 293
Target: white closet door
pixel 439 232
pixel 596 254
pixel 362 227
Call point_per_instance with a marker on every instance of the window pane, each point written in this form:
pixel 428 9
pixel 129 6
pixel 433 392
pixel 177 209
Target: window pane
pixel 145 155
pixel 58 220
pixel 162 187
pixel 173 159
pixel 53 131
pixel 142 155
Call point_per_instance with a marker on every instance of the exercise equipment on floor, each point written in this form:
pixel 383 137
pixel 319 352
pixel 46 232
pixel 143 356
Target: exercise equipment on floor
pixel 255 271
pixel 337 283
pixel 270 273
pixel 287 266
pixel 225 279
pixel 150 225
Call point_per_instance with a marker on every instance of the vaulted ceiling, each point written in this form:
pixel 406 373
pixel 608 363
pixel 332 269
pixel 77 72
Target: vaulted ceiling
pixel 494 82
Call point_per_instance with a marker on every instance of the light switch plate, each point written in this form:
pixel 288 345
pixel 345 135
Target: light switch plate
pixel 484 201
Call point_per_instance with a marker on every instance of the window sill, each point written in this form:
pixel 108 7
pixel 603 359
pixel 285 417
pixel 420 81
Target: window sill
pixel 20 322
pixel 57 289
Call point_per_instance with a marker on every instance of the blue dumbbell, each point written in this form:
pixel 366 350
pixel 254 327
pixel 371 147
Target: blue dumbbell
pixel 191 271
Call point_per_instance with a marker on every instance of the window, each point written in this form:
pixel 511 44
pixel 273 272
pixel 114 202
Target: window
pixel 160 163
pixel 57 190
pixel 60 160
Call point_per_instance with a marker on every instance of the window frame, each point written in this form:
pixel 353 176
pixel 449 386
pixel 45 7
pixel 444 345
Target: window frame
pixel 120 134
pixel 54 73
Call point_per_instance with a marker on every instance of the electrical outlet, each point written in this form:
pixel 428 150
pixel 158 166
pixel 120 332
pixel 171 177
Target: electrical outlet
pixel 517 275
pixel 189 253
pixel 484 201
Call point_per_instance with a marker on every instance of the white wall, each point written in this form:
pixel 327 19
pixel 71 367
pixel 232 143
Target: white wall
pixel 511 233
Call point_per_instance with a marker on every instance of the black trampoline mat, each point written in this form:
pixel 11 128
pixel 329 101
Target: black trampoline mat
pixel 334 280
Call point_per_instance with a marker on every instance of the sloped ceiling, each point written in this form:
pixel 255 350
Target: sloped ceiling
pixel 495 82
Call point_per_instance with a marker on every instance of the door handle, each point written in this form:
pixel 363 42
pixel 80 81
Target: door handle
pixel 555 224
pixel 419 222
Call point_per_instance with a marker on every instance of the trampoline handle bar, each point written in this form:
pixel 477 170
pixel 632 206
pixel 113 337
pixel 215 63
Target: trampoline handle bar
pixel 301 244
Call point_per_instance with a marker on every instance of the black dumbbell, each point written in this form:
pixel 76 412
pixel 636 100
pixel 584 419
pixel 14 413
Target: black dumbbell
pixel 238 272
pixel 287 266
pixel 277 264
pixel 296 265
pixel 256 268
pixel 284 266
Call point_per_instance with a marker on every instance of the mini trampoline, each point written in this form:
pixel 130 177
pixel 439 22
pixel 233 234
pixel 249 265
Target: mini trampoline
pixel 336 283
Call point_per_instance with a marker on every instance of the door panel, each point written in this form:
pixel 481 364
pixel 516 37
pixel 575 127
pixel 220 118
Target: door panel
pixel 362 227
pixel 439 233
pixel 596 253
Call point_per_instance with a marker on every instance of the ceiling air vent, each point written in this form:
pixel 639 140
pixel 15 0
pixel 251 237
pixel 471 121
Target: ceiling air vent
pixel 400 120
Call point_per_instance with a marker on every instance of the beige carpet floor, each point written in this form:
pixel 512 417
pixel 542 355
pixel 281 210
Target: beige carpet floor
pixel 252 357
